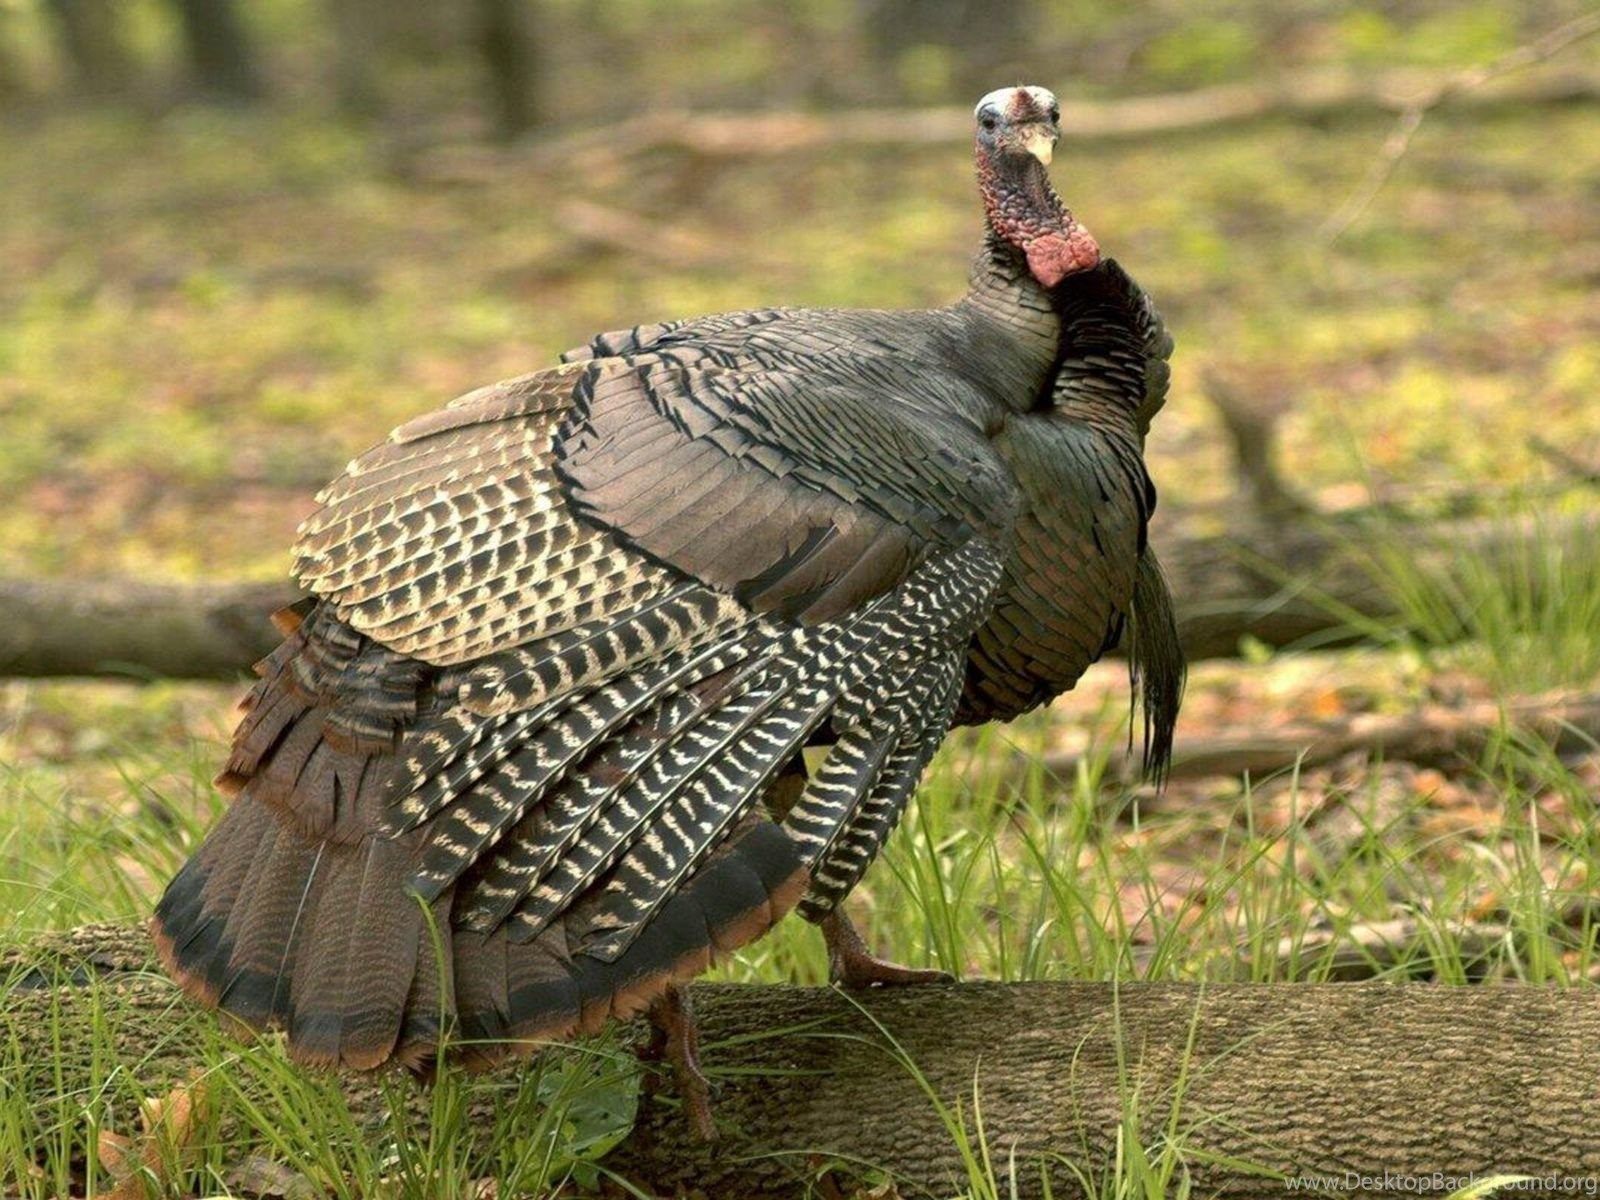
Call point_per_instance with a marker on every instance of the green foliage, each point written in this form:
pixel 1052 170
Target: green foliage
pixel 1466 33
pixel 1205 50
pixel 1526 615
pixel 1366 35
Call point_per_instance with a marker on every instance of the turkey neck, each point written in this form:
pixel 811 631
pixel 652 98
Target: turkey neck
pixel 1010 324
pixel 1008 309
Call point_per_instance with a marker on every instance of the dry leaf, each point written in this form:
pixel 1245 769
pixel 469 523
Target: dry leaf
pixel 1326 704
pixel 113 1150
pixel 139 1166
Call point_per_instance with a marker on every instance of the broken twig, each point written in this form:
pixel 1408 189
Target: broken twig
pixel 1455 86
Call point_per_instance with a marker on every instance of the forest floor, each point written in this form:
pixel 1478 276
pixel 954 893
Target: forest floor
pixel 204 317
pixel 207 315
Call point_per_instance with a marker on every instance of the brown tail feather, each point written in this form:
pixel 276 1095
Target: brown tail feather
pixel 294 915
pixel 358 984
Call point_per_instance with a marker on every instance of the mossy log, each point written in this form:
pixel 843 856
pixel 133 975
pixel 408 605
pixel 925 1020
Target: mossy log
pixel 1249 1084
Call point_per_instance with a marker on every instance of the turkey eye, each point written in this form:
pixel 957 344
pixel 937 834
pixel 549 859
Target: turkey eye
pixel 988 121
pixel 1055 114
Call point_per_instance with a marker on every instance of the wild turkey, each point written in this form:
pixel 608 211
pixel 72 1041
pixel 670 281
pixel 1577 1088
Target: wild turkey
pixel 544 715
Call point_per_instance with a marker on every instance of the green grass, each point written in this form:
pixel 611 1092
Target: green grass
pixel 998 874
pixel 1523 613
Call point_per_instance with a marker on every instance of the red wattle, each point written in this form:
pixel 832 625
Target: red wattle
pixel 1053 256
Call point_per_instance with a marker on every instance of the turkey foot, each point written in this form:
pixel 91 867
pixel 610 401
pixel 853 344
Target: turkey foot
pixel 852 965
pixel 676 1038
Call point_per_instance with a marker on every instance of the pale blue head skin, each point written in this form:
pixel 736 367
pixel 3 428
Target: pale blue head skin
pixel 1016 137
pixel 1043 99
pixel 1019 118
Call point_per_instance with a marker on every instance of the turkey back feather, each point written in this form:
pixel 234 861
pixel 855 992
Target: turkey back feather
pixel 533 751
pixel 330 938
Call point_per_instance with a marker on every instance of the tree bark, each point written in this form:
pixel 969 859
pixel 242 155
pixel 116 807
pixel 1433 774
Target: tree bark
pixel 1248 1083
pixel 358 38
pixel 14 83
pixel 509 50
pixel 1253 1082
pixel 1297 579
pixel 221 59
pixel 89 33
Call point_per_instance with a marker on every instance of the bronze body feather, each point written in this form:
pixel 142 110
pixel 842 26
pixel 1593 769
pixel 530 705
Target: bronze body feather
pixel 568 635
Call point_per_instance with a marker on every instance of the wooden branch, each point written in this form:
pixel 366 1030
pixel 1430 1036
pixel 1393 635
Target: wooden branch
pixel 1452 87
pixel 1251 426
pixel 1434 736
pixel 1302 96
pixel 1252 1082
pixel 187 631
pixel 1279 582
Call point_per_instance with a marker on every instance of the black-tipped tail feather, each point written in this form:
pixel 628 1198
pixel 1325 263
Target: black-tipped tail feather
pixel 1156 663
pixel 300 911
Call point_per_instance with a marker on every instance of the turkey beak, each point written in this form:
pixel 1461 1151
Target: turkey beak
pixel 1039 141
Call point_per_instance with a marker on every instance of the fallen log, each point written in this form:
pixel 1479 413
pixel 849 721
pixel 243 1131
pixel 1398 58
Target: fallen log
pixel 1246 1084
pixel 1293 580
pixel 142 630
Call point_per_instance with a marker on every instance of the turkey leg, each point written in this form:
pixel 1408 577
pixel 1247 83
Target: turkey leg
pixel 852 965
pixel 676 1039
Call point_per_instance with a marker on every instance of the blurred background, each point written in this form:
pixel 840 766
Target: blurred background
pixel 242 240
